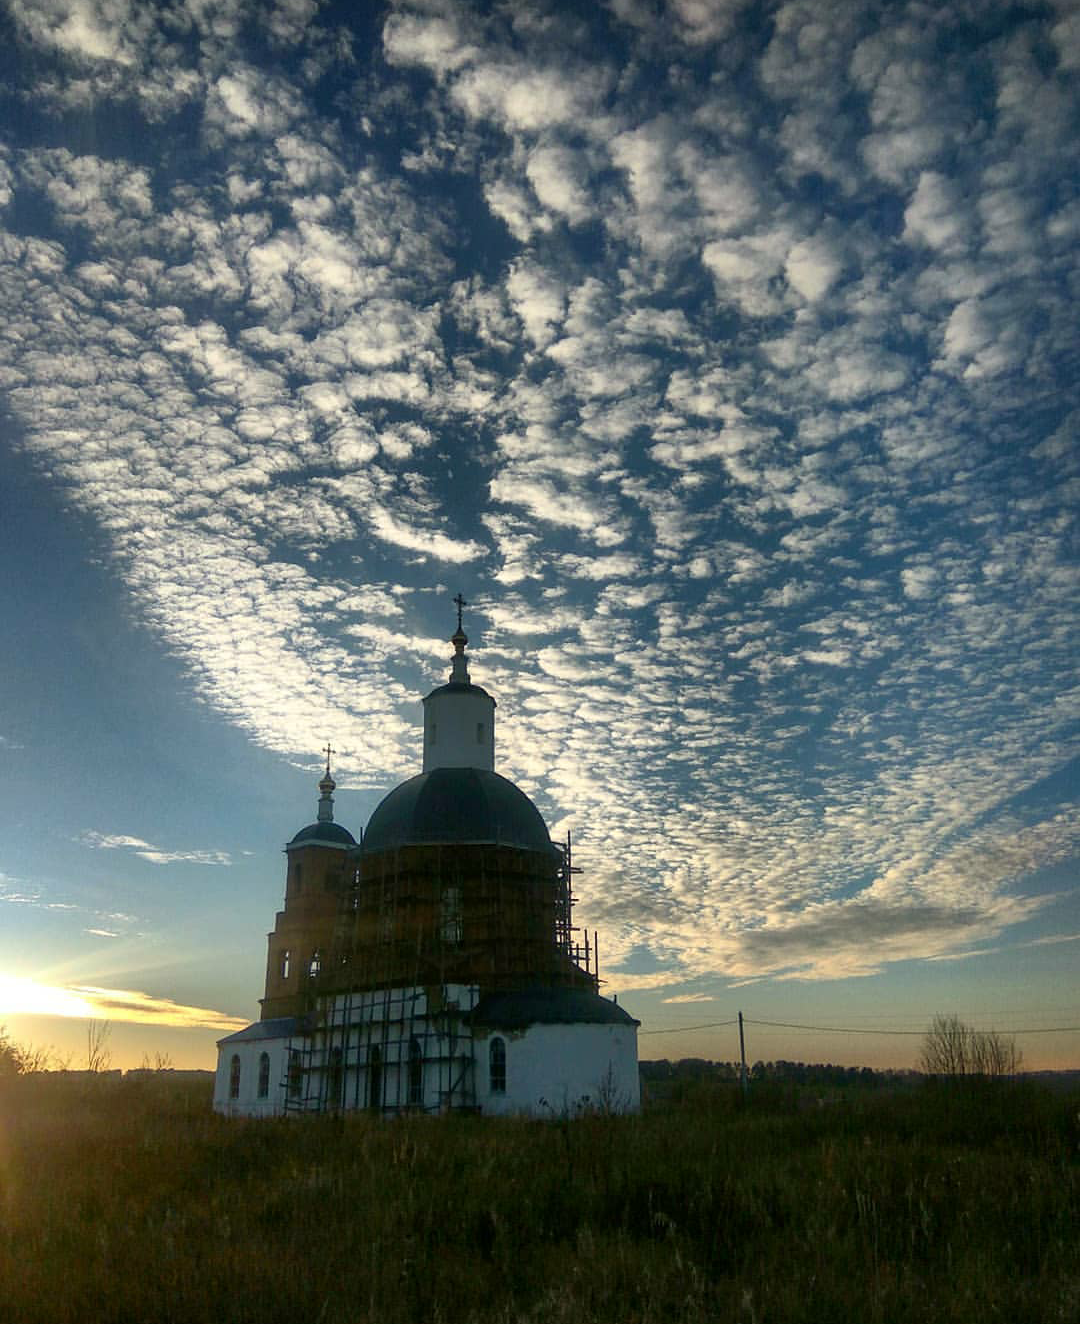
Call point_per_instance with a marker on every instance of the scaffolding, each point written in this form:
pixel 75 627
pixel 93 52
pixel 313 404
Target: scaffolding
pixel 422 932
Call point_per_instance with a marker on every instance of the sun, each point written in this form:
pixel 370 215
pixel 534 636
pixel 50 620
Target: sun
pixel 26 997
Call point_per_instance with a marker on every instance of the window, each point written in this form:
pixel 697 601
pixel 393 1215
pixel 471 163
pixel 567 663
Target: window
pixel 234 1077
pixel 315 964
pixel 297 877
pixel 334 1078
pixel 295 1079
pixel 416 1074
pixel 285 963
pixel 497 1067
pixel 431 734
pixel 374 1089
pixel 479 733
pixel 264 1075
pixel 451 926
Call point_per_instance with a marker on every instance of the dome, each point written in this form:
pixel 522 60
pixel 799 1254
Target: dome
pixel 323 834
pixel 457 805
pixel 458 687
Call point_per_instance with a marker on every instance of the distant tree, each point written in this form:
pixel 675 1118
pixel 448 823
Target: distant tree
pixel 98 1055
pixel 11 1055
pixel 159 1062
pixel 955 1051
pixel 25 1059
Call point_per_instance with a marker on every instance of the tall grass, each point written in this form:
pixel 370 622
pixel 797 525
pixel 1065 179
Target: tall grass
pixel 131 1202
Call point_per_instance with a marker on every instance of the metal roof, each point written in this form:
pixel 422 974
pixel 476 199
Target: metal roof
pixel 547 1006
pixel 278 1027
pixel 457 806
pixel 323 834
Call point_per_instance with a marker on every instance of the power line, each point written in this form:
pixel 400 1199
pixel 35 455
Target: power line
pixel 846 1029
pixel 680 1029
pixel 830 1029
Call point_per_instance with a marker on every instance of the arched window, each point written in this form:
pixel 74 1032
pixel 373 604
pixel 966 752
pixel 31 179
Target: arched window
pixel 295 1079
pixel 315 964
pixel 374 1088
pixel 297 877
pixel 431 735
pixel 234 1077
pixel 416 1074
pixel 286 963
pixel 479 733
pixel 264 1075
pixel 497 1067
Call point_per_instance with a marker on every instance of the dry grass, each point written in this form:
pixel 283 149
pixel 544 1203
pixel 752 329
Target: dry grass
pixel 131 1202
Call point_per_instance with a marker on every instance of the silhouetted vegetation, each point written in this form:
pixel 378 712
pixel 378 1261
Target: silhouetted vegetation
pixel 127 1200
pixel 957 1051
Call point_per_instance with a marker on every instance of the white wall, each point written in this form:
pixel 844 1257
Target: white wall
pixel 554 1070
pixel 463 725
pixel 248 1103
pixel 551 1070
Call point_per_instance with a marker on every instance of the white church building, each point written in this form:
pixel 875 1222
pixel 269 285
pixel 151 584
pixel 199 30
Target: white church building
pixel 432 966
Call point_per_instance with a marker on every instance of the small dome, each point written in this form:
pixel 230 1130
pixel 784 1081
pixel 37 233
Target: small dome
pixel 457 805
pixel 458 687
pixel 323 834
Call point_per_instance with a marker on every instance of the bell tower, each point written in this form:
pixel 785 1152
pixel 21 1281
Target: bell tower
pixel 316 878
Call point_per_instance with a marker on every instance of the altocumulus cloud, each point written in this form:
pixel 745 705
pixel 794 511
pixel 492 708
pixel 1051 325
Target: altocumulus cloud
pixel 744 367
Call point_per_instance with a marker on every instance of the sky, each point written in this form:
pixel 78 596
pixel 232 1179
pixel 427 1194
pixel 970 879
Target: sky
pixel 723 355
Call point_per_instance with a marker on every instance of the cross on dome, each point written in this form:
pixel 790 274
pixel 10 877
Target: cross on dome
pixel 327 786
pixel 459 639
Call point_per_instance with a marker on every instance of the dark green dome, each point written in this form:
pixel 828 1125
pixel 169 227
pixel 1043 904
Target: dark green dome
pixel 457 806
pixel 323 834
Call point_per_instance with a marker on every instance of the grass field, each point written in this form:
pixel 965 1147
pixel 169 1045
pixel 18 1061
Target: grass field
pixel 129 1201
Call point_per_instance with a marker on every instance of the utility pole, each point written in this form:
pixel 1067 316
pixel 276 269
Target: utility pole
pixel 742 1055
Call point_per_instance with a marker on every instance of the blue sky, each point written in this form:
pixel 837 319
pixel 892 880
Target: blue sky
pixel 724 356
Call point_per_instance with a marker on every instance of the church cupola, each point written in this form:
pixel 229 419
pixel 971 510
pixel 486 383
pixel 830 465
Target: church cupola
pixel 326 793
pixel 324 831
pixel 459 717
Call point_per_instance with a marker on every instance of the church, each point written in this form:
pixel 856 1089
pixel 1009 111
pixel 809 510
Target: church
pixel 433 966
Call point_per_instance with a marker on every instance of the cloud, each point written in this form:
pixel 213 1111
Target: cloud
pixel 145 851
pixel 738 357
pixel 812 267
pixel 27 997
pixel 558 179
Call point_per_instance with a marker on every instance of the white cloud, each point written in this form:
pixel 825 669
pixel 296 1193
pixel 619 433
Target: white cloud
pixel 436 42
pixel 936 214
pixel 145 851
pixel 919 581
pixel 558 178
pixel 812 267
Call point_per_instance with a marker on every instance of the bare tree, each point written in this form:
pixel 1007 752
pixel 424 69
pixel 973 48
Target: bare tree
pixel 955 1050
pixel 996 1055
pixel 98 1055
pixel 28 1059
